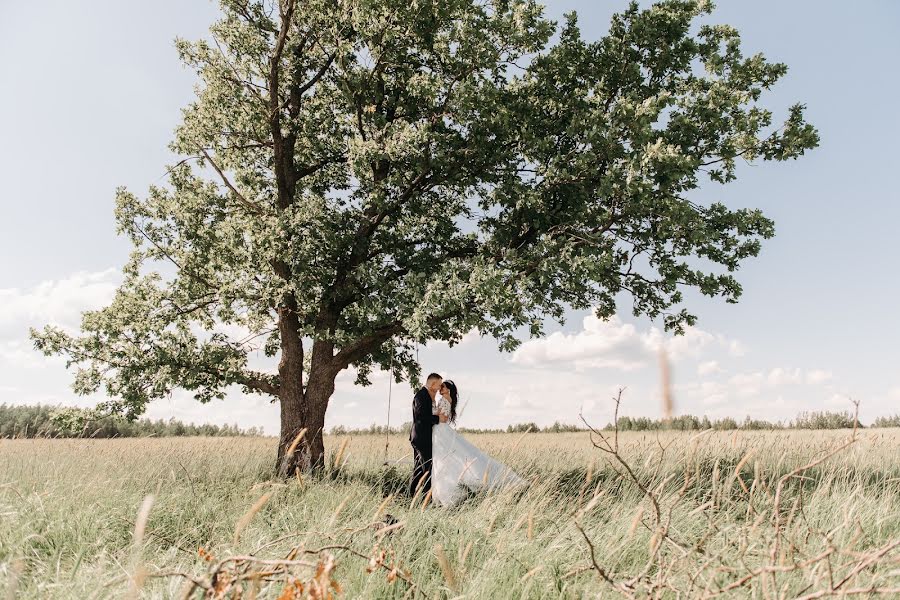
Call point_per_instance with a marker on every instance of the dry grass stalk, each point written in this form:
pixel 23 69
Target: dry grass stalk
pixel 296 442
pixel 737 470
pixel 426 500
pixel 286 459
pixel 227 577
pixel 638 515
pixel 531 524
pixel 490 527
pixel 340 453
pixel 519 440
pixel 337 512
pixel 248 516
pixel 15 573
pixel 138 572
pixel 464 554
pixel 446 568
pixel 380 510
pixel 595 499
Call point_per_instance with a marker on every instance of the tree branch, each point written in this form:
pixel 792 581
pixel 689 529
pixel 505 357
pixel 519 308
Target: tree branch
pixel 253 207
pixel 358 349
pixel 259 383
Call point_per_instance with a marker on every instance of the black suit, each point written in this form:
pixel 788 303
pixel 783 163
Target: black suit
pixel 420 438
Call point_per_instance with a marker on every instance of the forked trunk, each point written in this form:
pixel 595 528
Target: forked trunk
pixel 303 410
pixel 304 413
pixel 302 407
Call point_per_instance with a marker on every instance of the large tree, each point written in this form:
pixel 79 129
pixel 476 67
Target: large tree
pixel 362 176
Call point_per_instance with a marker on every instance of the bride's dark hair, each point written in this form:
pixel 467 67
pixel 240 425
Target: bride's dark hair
pixel 454 398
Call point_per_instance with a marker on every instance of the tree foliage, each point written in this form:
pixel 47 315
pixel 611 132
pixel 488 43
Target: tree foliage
pixel 375 174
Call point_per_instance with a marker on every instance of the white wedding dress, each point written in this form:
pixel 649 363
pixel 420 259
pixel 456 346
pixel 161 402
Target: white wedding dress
pixel 460 466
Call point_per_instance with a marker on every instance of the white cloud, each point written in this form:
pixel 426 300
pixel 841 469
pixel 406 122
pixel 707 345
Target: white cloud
pixel 708 368
pixel 838 401
pixel 780 376
pixel 515 401
pixel 774 394
pixel 238 332
pixel 60 302
pixel 747 384
pixel 472 336
pixel 20 354
pixel 601 344
pixel 708 393
pixel 615 345
pixel 250 410
pixel 735 347
pixel 346 378
pixel 816 376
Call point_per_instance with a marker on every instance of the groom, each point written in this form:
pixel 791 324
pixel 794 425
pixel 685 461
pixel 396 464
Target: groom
pixel 420 434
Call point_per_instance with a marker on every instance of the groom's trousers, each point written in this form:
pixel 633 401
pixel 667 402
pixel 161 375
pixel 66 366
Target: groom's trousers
pixel 422 467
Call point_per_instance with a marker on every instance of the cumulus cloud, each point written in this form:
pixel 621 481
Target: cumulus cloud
pixel 708 368
pixel 20 354
pixel 346 380
pixel 747 384
pixel 780 376
pixel 708 393
pixel 515 401
pixel 838 401
pixel 616 345
pixel 59 302
pixel 775 393
pixel 245 411
pixel 817 376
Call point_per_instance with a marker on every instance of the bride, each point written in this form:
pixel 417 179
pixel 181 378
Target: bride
pixel 458 465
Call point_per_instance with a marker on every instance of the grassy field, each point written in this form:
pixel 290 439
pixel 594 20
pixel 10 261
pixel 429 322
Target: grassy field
pixel 661 515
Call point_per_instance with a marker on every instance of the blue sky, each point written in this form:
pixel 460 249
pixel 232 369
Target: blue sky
pixel 93 95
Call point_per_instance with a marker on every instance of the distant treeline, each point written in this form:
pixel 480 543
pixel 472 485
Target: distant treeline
pixel 805 420
pixel 53 421
pixel 404 428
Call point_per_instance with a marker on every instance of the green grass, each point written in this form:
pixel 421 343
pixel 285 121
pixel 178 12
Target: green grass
pixel 68 510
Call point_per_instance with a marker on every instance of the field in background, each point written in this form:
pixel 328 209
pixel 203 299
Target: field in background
pixel 716 514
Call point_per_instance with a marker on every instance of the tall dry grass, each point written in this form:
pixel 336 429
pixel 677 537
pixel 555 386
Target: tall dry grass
pixel 656 514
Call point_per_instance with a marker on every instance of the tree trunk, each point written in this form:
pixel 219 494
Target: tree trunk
pixel 304 410
pixel 303 414
pixel 293 421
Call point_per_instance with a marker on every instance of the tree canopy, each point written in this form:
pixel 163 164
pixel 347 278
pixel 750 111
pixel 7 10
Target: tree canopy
pixel 362 176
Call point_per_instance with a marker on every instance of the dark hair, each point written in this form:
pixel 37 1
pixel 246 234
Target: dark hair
pixel 454 399
pixel 433 376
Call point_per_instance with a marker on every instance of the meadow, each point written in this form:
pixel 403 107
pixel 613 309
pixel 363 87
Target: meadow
pixel 743 514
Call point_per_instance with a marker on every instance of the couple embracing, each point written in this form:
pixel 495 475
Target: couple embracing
pixel 444 462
